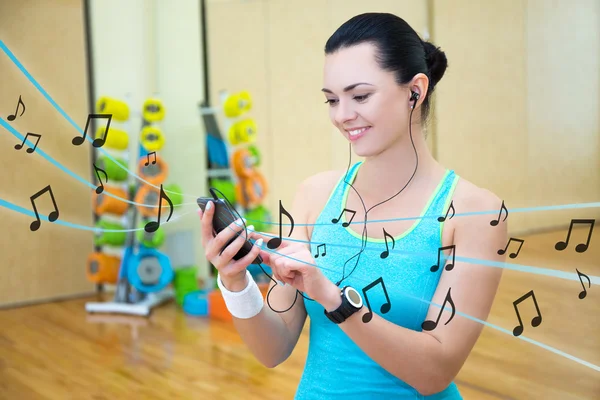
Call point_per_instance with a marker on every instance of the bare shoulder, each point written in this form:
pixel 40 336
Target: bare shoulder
pixel 470 197
pixel 480 204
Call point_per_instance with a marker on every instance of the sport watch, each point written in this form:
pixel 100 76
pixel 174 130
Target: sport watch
pixel 351 303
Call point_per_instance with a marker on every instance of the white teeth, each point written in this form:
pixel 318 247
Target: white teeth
pixel 357 131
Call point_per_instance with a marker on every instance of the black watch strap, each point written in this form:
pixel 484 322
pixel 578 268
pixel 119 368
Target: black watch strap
pixel 345 309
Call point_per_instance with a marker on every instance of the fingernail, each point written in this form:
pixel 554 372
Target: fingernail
pixel 280 283
pixel 259 242
pixel 209 205
pixel 251 227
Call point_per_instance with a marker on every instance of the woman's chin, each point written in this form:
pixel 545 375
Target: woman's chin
pixel 363 151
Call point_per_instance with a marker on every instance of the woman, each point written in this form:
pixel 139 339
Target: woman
pixel 377 73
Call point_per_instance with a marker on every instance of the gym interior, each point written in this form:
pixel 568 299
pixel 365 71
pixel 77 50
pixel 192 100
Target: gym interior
pixel 113 112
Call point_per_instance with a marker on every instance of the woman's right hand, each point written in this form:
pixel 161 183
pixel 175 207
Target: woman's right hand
pixel 232 272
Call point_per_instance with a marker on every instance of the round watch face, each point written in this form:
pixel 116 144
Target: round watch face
pixel 353 297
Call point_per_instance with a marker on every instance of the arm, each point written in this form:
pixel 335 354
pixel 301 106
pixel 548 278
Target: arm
pixel 430 360
pixel 272 336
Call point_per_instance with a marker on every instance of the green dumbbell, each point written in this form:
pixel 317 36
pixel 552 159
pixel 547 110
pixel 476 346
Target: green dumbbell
pixel 225 186
pixel 184 282
pixel 255 154
pixel 110 238
pixel 177 197
pixel 112 169
pixel 151 239
pixel 260 217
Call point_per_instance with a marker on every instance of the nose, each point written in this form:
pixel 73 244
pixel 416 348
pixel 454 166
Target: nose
pixel 343 113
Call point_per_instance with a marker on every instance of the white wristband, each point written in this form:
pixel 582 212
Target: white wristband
pixel 245 304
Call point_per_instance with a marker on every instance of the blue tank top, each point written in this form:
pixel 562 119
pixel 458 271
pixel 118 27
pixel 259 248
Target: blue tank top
pixel 336 368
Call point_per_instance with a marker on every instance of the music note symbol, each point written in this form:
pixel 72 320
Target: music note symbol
pixel 152 226
pixel 581 247
pixel 324 245
pixel 276 242
pixel 449 266
pixel 512 255
pixel 100 188
pixel 153 162
pixel 53 216
pixel 535 321
pixel 344 224
pixel 385 307
pixel 495 222
pixel 583 293
pixel 431 325
pixel 29 150
pixel 13 117
pixel 98 142
pixel 442 219
pixel 386 252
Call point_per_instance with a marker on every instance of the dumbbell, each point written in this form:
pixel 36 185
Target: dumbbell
pixel 153 173
pixel 149 271
pixel 152 138
pixel 102 268
pixel 117 108
pixel 243 131
pixel 116 139
pixel 224 186
pixel 110 238
pixel 260 217
pixel 237 104
pixel 175 193
pixel 103 203
pixel 150 239
pixel 154 110
pixel 112 169
pixel 251 191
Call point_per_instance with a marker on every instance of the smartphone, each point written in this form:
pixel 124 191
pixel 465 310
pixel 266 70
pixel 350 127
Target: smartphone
pixel 222 218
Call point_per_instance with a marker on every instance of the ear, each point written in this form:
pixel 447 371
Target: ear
pixel 419 84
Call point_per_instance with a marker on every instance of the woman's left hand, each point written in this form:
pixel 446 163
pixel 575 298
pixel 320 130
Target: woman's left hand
pixel 295 266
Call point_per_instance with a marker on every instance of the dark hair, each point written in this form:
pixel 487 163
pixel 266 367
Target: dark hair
pixel 399 49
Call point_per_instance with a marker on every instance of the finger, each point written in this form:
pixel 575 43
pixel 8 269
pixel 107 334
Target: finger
pixel 223 237
pixel 207 226
pixel 248 259
pixel 232 249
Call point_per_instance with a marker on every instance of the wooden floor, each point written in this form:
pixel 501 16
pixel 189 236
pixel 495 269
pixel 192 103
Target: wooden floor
pixel 57 351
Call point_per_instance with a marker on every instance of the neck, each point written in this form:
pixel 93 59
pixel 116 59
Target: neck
pixel 382 176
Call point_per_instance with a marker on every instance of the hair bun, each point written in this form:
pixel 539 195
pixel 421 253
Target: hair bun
pixel 436 62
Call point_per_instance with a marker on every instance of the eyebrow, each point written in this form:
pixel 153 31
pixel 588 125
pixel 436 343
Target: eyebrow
pixel 347 88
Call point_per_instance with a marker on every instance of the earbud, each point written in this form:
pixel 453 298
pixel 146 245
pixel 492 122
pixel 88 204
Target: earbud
pixel 414 97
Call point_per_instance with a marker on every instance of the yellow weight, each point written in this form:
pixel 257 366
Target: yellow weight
pixel 108 105
pixel 152 138
pixel 154 110
pixel 243 131
pixel 237 104
pixel 115 139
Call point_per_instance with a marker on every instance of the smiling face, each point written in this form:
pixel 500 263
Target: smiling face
pixel 362 95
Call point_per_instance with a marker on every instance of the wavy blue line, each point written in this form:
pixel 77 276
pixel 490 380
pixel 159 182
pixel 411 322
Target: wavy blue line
pixel 66 116
pixel 30 213
pixel 521 337
pixel 511 210
pixel 18 135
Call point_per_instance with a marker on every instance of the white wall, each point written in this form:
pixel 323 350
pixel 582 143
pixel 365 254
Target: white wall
pixel 145 48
